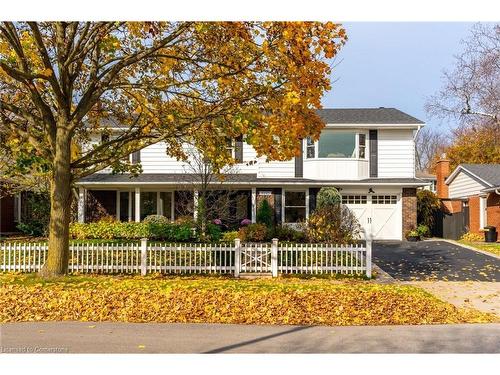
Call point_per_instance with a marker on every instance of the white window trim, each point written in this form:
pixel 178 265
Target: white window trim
pixel 283 203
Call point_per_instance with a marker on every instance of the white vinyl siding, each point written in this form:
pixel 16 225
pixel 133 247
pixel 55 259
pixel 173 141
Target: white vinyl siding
pixel 464 186
pixel 395 160
pixel 396 153
pixel 276 169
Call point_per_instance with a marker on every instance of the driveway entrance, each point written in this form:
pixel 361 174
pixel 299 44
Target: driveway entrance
pixel 434 260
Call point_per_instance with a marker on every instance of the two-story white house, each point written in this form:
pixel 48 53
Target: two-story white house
pixel 367 154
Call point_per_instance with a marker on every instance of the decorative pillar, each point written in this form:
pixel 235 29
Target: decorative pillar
pixel 118 208
pixel 81 205
pixel 137 204
pixel 195 203
pixel 254 205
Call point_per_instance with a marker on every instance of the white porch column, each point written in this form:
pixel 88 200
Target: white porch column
pixel 307 203
pixel 118 208
pixel 137 204
pixel 20 207
pixel 81 205
pixel 254 205
pixel 129 206
pixel 195 203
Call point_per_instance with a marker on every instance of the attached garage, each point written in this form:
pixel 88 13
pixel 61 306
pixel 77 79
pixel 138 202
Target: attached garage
pixel 378 214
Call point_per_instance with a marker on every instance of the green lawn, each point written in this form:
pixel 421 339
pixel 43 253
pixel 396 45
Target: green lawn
pixel 493 248
pixel 223 300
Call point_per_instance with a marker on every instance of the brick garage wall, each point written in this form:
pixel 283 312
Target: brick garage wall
pixel 493 210
pixel 409 203
pixel 474 214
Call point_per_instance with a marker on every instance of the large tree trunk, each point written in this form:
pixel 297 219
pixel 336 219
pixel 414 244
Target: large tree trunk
pixel 60 210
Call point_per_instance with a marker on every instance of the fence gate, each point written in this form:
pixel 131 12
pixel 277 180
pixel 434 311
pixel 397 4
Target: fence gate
pixel 255 258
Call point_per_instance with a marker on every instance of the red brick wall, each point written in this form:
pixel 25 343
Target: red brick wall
pixel 409 203
pixel 493 210
pixel 474 214
pixel 451 206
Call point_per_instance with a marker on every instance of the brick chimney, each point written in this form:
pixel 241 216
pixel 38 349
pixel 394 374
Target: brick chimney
pixel 442 173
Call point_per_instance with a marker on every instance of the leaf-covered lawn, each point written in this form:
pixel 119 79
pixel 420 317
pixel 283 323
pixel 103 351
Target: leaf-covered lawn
pixel 223 300
pixel 493 248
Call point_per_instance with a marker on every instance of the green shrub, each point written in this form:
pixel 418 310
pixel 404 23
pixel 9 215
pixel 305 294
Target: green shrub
pixel 289 234
pixel 109 230
pixel 333 224
pixel 265 214
pixel 327 196
pixel 423 231
pixel 256 232
pixel 37 213
pixel 427 206
pixel 156 219
pixel 229 237
pixel 214 232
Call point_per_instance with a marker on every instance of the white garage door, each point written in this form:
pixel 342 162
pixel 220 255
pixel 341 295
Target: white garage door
pixel 377 214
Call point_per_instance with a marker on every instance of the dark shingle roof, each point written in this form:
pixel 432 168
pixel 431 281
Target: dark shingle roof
pixel 366 116
pixel 487 172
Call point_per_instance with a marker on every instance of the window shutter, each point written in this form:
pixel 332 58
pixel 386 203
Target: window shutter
pixel 373 153
pixel 136 157
pixel 313 193
pixel 238 150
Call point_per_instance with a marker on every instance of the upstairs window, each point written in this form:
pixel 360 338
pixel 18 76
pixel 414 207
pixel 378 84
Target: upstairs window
pixel 362 145
pixel 310 148
pixel 230 146
pixel 337 145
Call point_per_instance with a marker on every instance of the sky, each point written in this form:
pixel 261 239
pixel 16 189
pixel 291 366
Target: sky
pixel 394 65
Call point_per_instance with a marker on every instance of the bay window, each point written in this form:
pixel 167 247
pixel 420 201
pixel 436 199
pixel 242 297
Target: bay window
pixel 310 148
pixel 295 206
pixel 361 145
pixel 337 145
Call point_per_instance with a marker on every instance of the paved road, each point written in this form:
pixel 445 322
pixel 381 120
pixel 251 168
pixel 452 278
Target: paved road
pixel 434 260
pixel 78 337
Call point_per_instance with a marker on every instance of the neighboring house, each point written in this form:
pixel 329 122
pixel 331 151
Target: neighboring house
pixel 9 212
pixel 471 189
pixel 429 178
pixel 368 154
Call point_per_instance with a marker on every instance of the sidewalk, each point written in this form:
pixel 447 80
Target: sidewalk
pixel 76 337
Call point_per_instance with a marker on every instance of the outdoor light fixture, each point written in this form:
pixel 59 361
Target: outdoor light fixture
pixel 370 191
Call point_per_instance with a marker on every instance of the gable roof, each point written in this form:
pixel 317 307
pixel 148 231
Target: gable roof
pixel 379 115
pixel 487 174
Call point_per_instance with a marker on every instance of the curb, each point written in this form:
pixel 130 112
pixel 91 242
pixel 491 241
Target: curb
pixel 464 246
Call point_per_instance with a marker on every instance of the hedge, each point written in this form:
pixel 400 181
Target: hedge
pixel 175 232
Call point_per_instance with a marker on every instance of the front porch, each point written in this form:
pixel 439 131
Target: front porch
pixel 290 205
pixel 136 204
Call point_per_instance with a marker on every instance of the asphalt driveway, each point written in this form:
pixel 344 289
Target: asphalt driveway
pixel 434 260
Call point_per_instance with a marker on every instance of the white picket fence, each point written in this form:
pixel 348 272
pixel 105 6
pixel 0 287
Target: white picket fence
pixel 238 258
